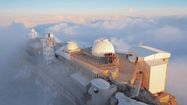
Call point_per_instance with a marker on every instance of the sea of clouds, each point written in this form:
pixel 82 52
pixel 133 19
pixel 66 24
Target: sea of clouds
pixel 167 32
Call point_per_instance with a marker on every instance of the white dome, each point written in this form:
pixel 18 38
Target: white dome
pixel 102 47
pixel 50 35
pixel 33 34
pixel 72 46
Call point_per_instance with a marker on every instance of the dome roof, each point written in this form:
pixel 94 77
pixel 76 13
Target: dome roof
pixel 72 46
pixel 101 47
pixel 33 34
pixel 50 35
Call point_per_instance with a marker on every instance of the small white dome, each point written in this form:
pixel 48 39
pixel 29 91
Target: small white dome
pixel 102 47
pixel 50 35
pixel 33 33
pixel 72 46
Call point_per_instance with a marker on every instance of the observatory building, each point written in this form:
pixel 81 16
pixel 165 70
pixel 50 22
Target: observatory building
pixel 142 63
pixel 153 63
pixel 103 76
pixel 101 59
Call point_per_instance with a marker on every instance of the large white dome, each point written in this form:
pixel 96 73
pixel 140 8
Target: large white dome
pixel 102 47
pixel 72 46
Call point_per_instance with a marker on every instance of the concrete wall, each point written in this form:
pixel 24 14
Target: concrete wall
pixel 154 76
pixel 145 68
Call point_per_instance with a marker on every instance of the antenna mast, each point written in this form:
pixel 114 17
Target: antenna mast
pixel 48 48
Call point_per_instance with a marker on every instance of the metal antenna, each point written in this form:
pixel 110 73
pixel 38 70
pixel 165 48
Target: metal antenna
pixel 48 48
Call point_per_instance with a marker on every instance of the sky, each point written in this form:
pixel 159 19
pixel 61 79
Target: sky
pixel 90 7
pixel 29 11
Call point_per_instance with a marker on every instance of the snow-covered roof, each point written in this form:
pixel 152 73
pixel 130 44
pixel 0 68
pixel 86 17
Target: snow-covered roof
pixel 100 83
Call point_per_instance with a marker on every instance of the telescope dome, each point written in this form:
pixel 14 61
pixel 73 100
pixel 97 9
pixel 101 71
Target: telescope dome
pixel 72 46
pixel 102 47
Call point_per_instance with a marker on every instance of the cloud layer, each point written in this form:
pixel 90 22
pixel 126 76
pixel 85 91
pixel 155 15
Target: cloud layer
pixel 176 83
pixel 169 32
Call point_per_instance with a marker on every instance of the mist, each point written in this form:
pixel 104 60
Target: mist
pixel 18 85
pixel 176 79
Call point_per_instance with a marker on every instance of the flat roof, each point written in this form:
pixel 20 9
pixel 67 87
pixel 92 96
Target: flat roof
pixel 156 62
pixel 144 51
pixel 127 70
